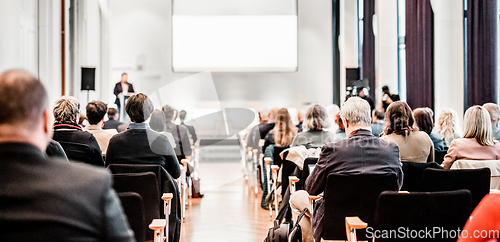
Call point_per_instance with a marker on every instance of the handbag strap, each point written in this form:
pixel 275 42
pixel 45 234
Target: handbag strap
pixel 180 140
pixel 300 217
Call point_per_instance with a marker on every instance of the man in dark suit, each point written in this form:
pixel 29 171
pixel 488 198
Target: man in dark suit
pixel 360 153
pixel 45 199
pixel 192 132
pixel 113 122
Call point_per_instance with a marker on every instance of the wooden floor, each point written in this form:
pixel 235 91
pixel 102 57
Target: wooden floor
pixel 230 211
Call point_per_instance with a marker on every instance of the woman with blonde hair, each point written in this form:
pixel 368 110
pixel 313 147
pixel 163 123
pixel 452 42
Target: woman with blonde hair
pixel 447 126
pixel 414 145
pixel 314 134
pixel 477 142
pixel 283 132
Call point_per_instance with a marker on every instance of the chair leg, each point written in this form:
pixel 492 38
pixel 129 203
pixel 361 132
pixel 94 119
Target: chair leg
pixel 158 226
pixel 167 197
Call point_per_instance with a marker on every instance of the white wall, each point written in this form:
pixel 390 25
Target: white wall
pixel 140 33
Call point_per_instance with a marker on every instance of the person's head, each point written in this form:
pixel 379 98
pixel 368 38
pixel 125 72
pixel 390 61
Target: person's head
pixel 478 125
pixel 300 115
pixel 139 107
pixel 360 91
pixel 273 113
pixel 338 121
pixel 494 112
pixel 169 113
pixel 96 111
pixel 447 125
pixel 423 119
pixel 81 119
pixel 355 113
pixel 378 115
pixel 316 118
pixel 113 113
pixel 24 116
pixel 182 115
pixel 284 130
pixel 157 121
pixel 264 116
pixel 67 110
pixel 398 119
pixel 385 89
pixel 124 77
pixel 176 114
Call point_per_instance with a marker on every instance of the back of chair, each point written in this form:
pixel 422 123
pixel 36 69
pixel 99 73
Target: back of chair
pixel 134 209
pixel 305 171
pixel 166 185
pixel 477 181
pixel 439 155
pixel 146 186
pixel 78 152
pixel 352 195
pixel 413 173
pixel 422 211
pixel 288 167
pixel 276 155
pixel 494 166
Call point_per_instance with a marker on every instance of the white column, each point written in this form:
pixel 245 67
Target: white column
pixel 386 46
pixel 448 56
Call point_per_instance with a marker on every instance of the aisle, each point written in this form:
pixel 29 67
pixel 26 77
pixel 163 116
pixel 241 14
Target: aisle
pixel 228 212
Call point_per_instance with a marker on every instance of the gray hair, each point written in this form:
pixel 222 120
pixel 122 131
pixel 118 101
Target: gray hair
pixel 356 111
pixel 493 110
pixel 316 118
pixel 66 109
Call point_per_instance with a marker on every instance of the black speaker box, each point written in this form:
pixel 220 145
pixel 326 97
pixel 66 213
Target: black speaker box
pixel 88 79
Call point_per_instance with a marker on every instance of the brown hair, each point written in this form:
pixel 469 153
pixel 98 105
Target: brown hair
pixel 284 130
pixel 338 121
pixel 423 120
pixel 66 109
pixel 157 121
pixel 23 99
pixel 139 107
pixel 399 119
pixel 96 111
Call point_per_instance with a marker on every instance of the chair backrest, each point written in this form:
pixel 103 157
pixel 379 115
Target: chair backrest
pixel 288 167
pixel 416 211
pixel 77 152
pixel 146 186
pixel 276 155
pixel 134 210
pixel 477 181
pixel 439 155
pixel 306 171
pixel 166 185
pixel 494 166
pixel 413 173
pixel 352 195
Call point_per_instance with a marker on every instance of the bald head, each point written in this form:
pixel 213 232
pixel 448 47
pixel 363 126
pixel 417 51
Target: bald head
pixel 23 99
pixel 494 112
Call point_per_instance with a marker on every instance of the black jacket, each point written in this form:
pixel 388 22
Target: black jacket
pixel 142 146
pixel 46 199
pixel 79 145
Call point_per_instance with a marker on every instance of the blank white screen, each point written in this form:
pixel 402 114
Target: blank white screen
pixel 228 43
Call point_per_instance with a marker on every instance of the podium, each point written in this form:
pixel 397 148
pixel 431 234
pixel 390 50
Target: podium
pixel 123 101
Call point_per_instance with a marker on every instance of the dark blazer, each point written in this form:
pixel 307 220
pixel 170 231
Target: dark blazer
pixel 184 138
pixel 54 149
pixel 192 132
pixel 111 124
pixel 47 199
pixel 79 145
pixel 362 153
pixel 142 146
pixel 119 89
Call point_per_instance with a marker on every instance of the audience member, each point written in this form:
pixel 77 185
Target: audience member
pixel 361 153
pixel 494 112
pixel 361 94
pixel 45 199
pixel 139 144
pixel 82 120
pixel 157 123
pixel 377 125
pixel 55 150
pixel 315 135
pixel 113 122
pixel 447 126
pixel 253 136
pixel 271 122
pixel 78 145
pixel 180 133
pixel 192 132
pixel 414 145
pixel 340 134
pixel 388 98
pixel 95 114
pixel 424 122
pixel 477 143
pixel 300 118
pixel 283 132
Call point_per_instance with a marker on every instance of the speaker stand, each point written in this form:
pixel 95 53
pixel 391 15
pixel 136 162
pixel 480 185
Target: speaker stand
pixel 88 96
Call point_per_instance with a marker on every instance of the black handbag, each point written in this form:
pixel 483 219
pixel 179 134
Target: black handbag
pixel 286 232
